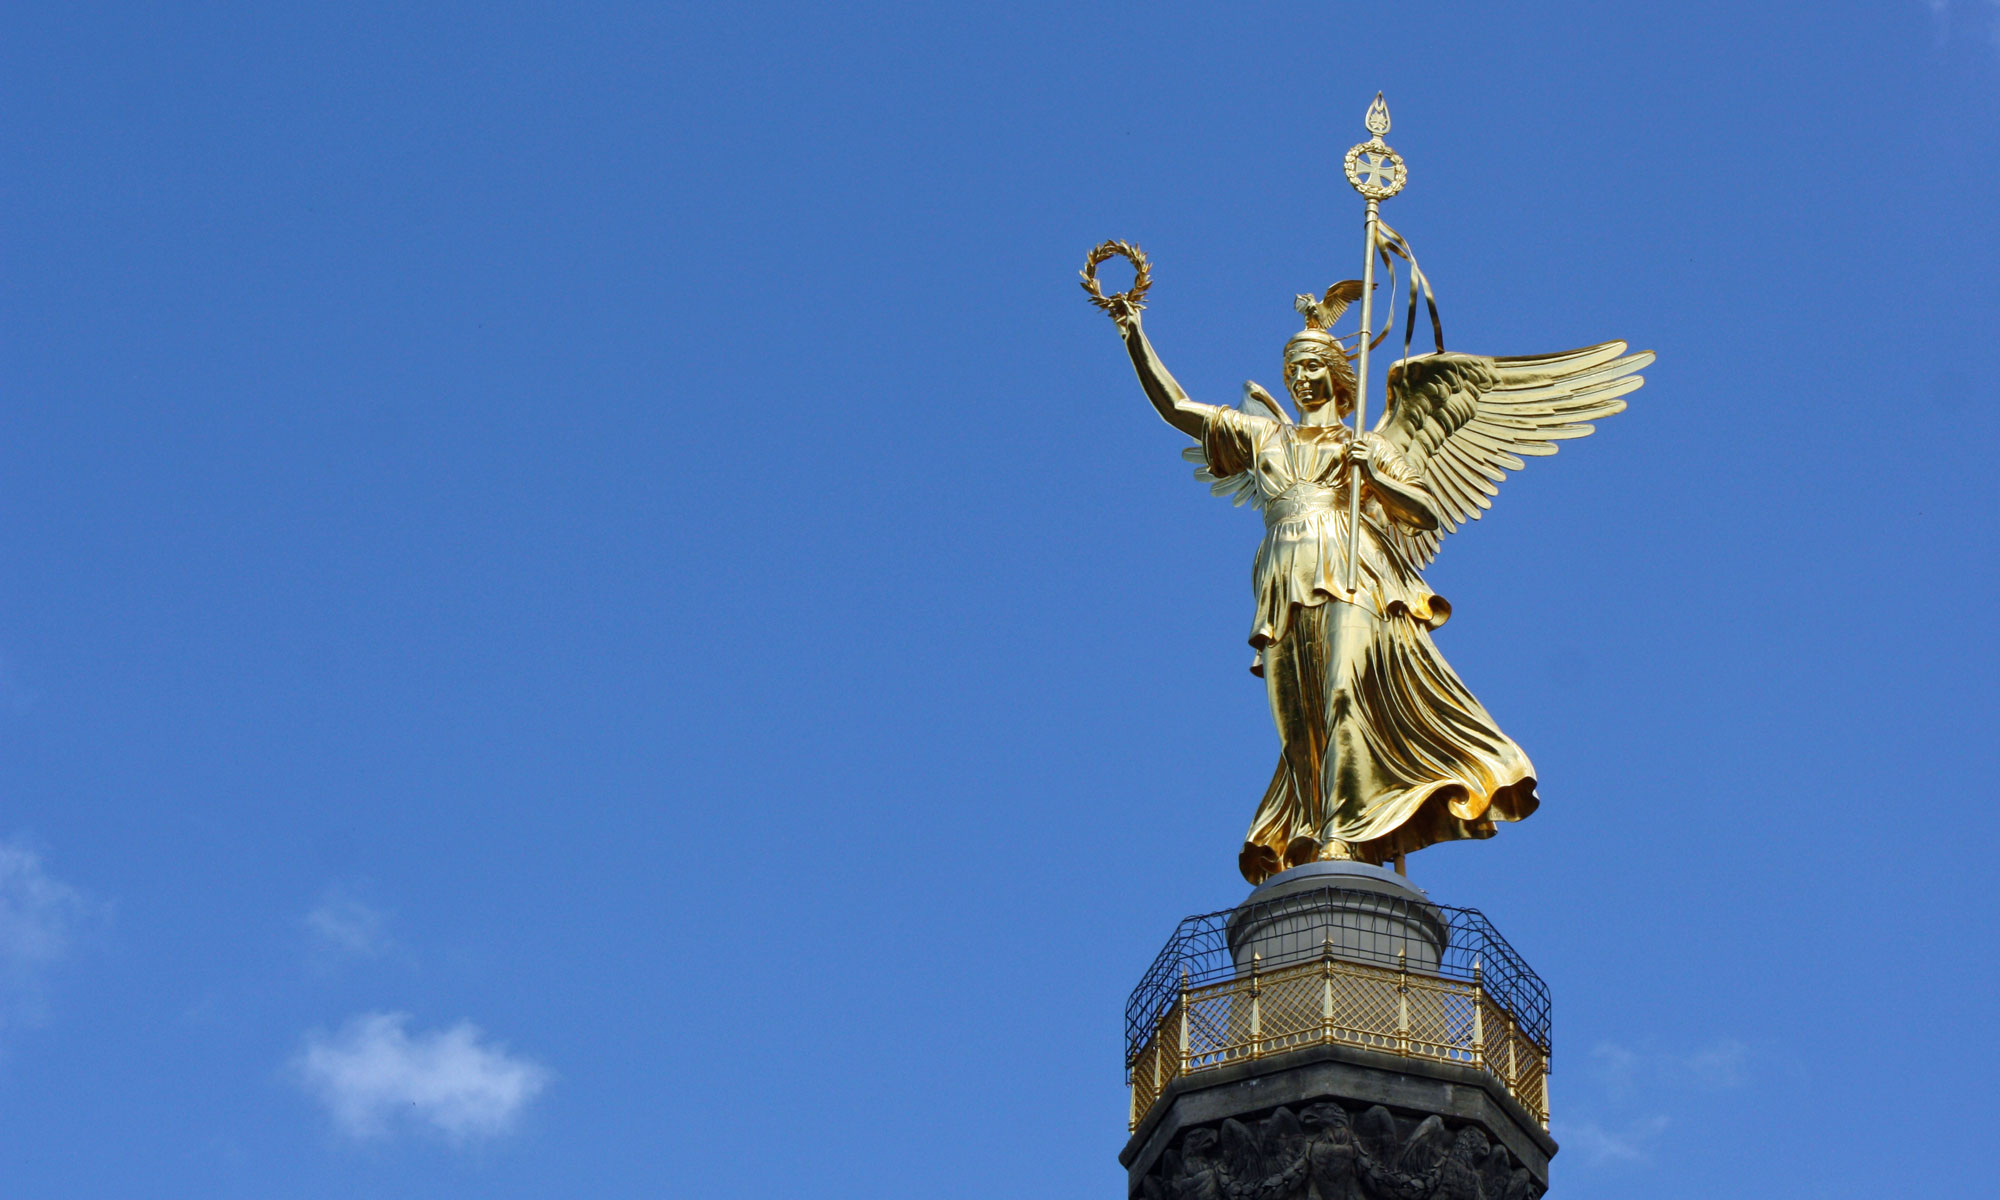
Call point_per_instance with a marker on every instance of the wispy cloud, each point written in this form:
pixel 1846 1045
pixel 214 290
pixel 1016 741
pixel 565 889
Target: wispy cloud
pixel 1723 1064
pixel 1948 17
pixel 373 1076
pixel 1718 1065
pixel 1621 1123
pixel 344 924
pixel 1617 1067
pixel 1940 11
pixel 1630 1144
pixel 40 918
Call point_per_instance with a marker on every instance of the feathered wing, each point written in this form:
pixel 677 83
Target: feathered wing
pixel 1462 421
pixel 1323 312
pixel 1241 486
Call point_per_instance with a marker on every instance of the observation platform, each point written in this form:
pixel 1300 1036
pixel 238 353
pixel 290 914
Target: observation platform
pixel 1339 1002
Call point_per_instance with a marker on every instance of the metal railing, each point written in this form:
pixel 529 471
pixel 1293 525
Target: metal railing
pixel 1462 1010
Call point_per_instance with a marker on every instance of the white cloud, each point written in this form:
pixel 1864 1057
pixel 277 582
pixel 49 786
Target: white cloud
pixel 373 1076
pixel 40 917
pixel 343 923
pixel 1631 1144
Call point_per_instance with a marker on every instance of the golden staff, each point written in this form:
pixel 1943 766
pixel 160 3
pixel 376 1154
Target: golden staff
pixel 1377 173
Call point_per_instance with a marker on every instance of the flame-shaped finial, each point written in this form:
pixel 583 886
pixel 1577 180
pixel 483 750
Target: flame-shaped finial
pixel 1378 116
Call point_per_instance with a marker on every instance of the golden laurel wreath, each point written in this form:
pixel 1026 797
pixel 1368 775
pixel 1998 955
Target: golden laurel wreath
pixel 1142 277
pixel 1380 179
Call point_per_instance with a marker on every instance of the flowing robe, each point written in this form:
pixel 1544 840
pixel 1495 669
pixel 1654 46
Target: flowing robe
pixel 1384 750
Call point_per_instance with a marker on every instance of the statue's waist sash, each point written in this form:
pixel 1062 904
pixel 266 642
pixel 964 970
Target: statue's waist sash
pixel 1300 500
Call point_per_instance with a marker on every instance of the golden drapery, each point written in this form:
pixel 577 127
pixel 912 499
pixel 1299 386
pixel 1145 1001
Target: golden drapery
pixel 1385 751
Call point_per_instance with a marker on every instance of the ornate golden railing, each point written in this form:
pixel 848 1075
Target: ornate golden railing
pixel 1392 1009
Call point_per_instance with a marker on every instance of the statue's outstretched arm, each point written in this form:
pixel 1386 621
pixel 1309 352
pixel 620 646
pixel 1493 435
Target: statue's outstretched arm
pixel 1167 396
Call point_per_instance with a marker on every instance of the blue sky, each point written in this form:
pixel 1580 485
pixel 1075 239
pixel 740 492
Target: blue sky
pixel 585 609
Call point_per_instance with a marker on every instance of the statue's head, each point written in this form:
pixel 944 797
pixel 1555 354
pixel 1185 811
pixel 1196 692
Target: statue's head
pixel 1317 374
pixel 1316 370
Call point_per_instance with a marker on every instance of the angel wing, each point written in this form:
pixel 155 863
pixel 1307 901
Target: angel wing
pixel 1240 486
pixel 1462 421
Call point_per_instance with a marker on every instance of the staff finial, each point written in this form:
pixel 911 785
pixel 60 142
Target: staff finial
pixel 1374 169
pixel 1378 116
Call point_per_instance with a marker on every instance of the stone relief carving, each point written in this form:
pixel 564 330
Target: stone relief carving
pixel 1324 1153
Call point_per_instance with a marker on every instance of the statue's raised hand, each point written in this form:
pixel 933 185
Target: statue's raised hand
pixel 1124 313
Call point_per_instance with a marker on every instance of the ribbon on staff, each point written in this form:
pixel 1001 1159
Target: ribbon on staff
pixel 1389 243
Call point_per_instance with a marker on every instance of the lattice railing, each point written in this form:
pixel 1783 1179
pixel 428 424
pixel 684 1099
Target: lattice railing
pixel 1396 1010
pixel 1366 927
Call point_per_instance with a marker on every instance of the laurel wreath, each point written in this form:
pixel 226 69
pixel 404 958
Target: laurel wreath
pixel 1375 191
pixel 1142 277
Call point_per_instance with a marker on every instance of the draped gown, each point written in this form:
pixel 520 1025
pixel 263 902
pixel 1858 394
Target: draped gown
pixel 1385 751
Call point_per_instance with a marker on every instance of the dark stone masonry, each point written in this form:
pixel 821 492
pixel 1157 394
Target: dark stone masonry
pixel 1338 1123
pixel 1324 1151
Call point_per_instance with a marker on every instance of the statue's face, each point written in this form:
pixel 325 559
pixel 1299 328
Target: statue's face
pixel 1310 379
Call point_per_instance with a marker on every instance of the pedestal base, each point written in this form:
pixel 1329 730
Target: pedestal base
pixel 1375 916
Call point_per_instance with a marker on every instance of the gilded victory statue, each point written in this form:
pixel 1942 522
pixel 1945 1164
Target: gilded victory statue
pixel 1384 750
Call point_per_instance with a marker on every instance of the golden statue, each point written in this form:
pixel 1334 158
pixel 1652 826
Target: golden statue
pixel 1384 750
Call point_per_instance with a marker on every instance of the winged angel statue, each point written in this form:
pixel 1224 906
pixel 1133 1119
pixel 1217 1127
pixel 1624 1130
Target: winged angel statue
pixel 1384 750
